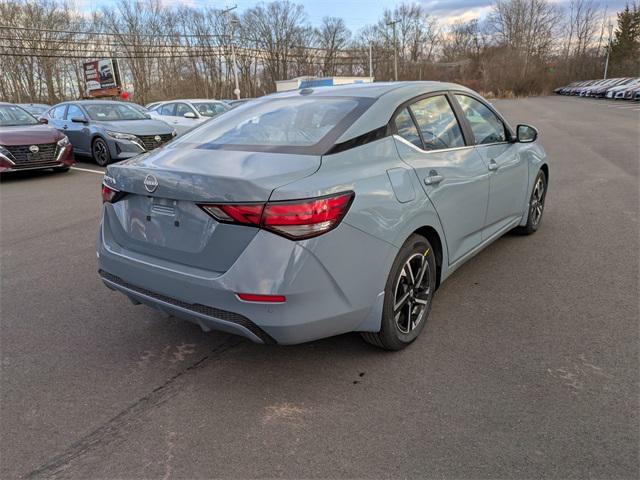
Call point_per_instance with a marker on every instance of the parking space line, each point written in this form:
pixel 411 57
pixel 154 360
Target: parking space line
pixel 87 170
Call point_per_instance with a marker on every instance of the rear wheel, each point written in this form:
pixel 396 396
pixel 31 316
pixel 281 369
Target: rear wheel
pixel 100 151
pixel 536 206
pixel 408 296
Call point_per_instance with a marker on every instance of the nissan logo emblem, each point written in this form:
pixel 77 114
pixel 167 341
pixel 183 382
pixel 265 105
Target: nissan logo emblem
pixel 157 138
pixel 34 149
pixel 150 183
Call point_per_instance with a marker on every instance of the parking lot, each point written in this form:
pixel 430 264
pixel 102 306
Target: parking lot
pixel 528 367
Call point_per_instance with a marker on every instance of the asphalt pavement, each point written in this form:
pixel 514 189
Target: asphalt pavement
pixel 527 368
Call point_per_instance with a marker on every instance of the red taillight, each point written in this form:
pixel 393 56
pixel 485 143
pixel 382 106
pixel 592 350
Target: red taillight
pixel 295 219
pixel 247 214
pixel 109 194
pixel 254 297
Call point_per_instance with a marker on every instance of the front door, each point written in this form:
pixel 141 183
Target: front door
pixel 508 169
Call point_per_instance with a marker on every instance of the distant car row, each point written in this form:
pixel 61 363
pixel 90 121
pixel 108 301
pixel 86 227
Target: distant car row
pixel 104 130
pixel 627 88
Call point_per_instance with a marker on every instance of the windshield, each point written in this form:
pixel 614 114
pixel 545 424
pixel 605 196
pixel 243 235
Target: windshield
pixel 210 109
pixel 35 109
pixel 108 112
pixel 291 125
pixel 12 115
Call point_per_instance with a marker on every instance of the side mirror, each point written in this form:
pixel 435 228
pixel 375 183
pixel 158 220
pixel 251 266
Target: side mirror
pixel 526 134
pixel 43 120
pixel 79 120
pixel 190 115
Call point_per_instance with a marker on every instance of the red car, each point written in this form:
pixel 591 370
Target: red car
pixel 27 144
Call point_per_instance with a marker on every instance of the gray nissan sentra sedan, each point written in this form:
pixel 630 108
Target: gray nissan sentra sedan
pixel 108 130
pixel 322 211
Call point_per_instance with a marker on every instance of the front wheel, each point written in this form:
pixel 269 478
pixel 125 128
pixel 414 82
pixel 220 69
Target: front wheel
pixel 101 153
pixel 408 296
pixel 536 206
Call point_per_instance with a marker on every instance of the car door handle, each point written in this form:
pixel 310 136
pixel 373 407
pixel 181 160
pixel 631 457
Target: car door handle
pixel 493 165
pixel 433 178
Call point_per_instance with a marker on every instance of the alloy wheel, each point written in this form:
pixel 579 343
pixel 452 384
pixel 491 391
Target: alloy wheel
pixel 100 152
pixel 537 201
pixel 412 293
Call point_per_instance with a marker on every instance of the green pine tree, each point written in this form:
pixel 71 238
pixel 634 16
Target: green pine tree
pixel 625 48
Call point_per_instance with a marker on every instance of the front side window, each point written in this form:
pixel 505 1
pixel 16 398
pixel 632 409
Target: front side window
pixel 407 129
pixel 486 126
pixel 58 112
pixel 74 112
pixel 210 109
pixel 168 109
pixel 291 124
pixel 438 124
pixel 182 108
pixel 116 111
pixel 12 115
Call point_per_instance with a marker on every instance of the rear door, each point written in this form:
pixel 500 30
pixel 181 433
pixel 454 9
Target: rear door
pixel 509 174
pixel 430 139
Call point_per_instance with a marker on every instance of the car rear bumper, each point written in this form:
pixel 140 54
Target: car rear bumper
pixel 320 301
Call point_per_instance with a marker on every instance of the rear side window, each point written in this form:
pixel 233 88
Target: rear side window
pixel 486 126
pixel 168 109
pixel 438 124
pixel 305 125
pixel 407 129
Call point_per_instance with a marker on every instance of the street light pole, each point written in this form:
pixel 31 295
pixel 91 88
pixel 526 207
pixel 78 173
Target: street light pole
pixel 370 61
pixel 395 50
pixel 233 52
pixel 606 64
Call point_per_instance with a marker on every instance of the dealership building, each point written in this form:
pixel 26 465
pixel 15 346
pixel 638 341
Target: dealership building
pixel 311 82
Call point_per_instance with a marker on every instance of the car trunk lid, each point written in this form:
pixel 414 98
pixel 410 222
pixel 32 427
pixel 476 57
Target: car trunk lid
pixel 159 215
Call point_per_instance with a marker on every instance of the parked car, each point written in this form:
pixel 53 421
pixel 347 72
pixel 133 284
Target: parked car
pixel 26 144
pixel 601 92
pixel 35 109
pixel 620 91
pixel 184 115
pixel 108 130
pixel 630 94
pixel 312 213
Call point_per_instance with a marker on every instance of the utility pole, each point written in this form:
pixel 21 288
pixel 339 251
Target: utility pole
pixel 233 51
pixel 606 64
pixel 370 61
pixel 395 49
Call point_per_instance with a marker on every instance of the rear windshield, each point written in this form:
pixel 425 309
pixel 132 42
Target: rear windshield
pixel 108 112
pixel 287 125
pixel 12 115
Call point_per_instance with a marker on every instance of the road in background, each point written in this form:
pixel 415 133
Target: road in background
pixel 527 368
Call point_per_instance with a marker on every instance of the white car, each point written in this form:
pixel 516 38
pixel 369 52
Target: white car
pixel 183 115
pixel 620 90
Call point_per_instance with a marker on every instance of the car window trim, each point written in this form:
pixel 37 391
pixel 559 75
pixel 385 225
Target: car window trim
pixel 452 149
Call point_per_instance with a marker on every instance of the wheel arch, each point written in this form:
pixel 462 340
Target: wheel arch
pixel 432 235
pixel 545 168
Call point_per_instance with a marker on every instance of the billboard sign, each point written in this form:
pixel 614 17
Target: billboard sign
pixel 101 78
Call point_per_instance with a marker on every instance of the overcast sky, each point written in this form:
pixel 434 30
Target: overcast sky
pixel 358 13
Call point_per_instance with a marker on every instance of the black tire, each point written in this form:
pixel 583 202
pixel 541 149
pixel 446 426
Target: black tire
pixel 61 169
pixel 100 152
pixel 401 326
pixel 536 206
